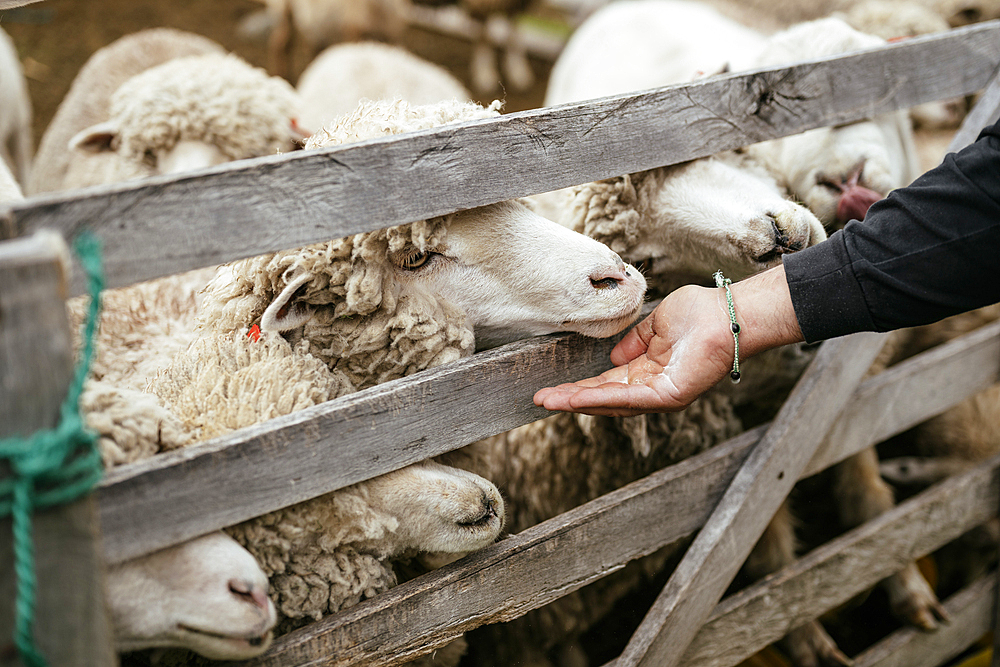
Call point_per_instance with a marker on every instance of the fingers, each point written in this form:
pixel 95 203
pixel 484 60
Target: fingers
pixel 621 392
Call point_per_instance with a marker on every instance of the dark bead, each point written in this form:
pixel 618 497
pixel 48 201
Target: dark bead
pixel 735 327
pixel 734 376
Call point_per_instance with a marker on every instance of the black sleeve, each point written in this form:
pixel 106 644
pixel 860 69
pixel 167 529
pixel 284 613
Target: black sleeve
pixel 927 251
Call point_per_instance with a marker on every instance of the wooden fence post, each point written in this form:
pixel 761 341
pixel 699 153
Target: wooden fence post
pixel 71 625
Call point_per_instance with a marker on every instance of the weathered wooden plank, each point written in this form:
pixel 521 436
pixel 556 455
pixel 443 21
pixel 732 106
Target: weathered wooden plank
pixel 288 459
pixel 759 488
pixel 520 573
pixel 929 384
pixel 157 227
pixel 970 614
pixel 544 563
pixel 831 574
pixel 70 626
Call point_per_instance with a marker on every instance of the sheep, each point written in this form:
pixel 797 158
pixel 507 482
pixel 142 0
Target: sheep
pixel 207 595
pixel 502 296
pixel 15 112
pixel 333 551
pixel 682 39
pixel 87 101
pixel 838 172
pixel 360 311
pixel 167 102
pixel 343 75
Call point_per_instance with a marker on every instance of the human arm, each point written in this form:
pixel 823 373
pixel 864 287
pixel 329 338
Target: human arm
pixel 683 348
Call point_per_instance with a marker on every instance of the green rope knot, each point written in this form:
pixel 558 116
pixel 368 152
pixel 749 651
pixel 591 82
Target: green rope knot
pixel 51 467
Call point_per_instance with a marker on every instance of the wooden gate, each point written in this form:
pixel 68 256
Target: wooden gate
pixel 167 225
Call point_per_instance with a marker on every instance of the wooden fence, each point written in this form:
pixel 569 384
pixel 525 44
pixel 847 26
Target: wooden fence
pixel 171 224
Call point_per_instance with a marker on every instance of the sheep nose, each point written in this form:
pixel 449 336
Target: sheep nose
pixel 249 592
pixel 609 278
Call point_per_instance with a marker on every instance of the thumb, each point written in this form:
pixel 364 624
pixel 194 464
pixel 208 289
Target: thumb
pixel 634 344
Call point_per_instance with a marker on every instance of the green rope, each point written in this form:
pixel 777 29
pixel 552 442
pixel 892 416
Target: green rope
pixel 734 326
pixel 52 467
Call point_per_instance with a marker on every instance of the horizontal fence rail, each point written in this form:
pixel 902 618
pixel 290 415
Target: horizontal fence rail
pixel 567 552
pixel 255 206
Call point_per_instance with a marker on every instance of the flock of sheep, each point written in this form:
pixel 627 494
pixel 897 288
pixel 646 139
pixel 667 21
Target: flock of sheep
pixel 187 358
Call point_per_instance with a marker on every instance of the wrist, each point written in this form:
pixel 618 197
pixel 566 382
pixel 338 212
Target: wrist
pixel 764 312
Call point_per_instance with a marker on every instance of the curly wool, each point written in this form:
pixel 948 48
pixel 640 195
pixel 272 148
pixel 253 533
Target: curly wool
pixel 362 325
pixel 381 118
pixel 215 98
pixel 131 426
pixel 226 382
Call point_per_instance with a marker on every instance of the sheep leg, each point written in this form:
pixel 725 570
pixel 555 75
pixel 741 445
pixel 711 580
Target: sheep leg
pixel 483 66
pixel 862 495
pixel 516 68
pixel 279 44
pixel 808 645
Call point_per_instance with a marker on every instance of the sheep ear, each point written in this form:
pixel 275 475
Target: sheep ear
pixel 284 313
pixel 96 138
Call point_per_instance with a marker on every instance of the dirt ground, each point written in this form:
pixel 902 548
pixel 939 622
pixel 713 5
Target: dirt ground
pixel 55 38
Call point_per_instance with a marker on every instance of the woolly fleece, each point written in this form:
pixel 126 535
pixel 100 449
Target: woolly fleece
pixel 215 98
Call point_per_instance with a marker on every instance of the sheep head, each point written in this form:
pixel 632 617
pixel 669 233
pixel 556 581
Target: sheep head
pixel 384 304
pixel 331 552
pixel 692 219
pixel 838 172
pixel 192 112
pixel 210 597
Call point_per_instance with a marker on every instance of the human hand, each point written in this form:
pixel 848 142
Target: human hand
pixel 683 349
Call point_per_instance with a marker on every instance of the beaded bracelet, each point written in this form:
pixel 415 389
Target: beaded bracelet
pixel 720 281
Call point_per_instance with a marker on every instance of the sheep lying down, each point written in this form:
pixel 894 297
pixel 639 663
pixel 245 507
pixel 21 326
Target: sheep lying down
pixel 339 316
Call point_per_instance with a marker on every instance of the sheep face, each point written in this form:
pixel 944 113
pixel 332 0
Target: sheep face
pixel 385 304
pixel 696 218
pixel 439 509
pixel 210 594
pixel 546 279
pixel 194 112
pixel 838 172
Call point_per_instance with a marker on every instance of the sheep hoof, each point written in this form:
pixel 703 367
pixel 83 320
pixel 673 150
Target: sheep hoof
pixel 810 646
pixel 912 599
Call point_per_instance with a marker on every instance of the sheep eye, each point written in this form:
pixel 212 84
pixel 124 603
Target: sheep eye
pixel 414 259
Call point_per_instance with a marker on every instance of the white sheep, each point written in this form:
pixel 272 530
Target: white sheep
pixel 15 112
pixel 343 75
pixel 838 172
pixel 207 595
pixel 179 104
pixel 364 310
pixel 89 96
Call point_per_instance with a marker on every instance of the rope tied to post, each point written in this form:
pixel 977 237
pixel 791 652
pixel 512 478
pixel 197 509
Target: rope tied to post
pixel 52 466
